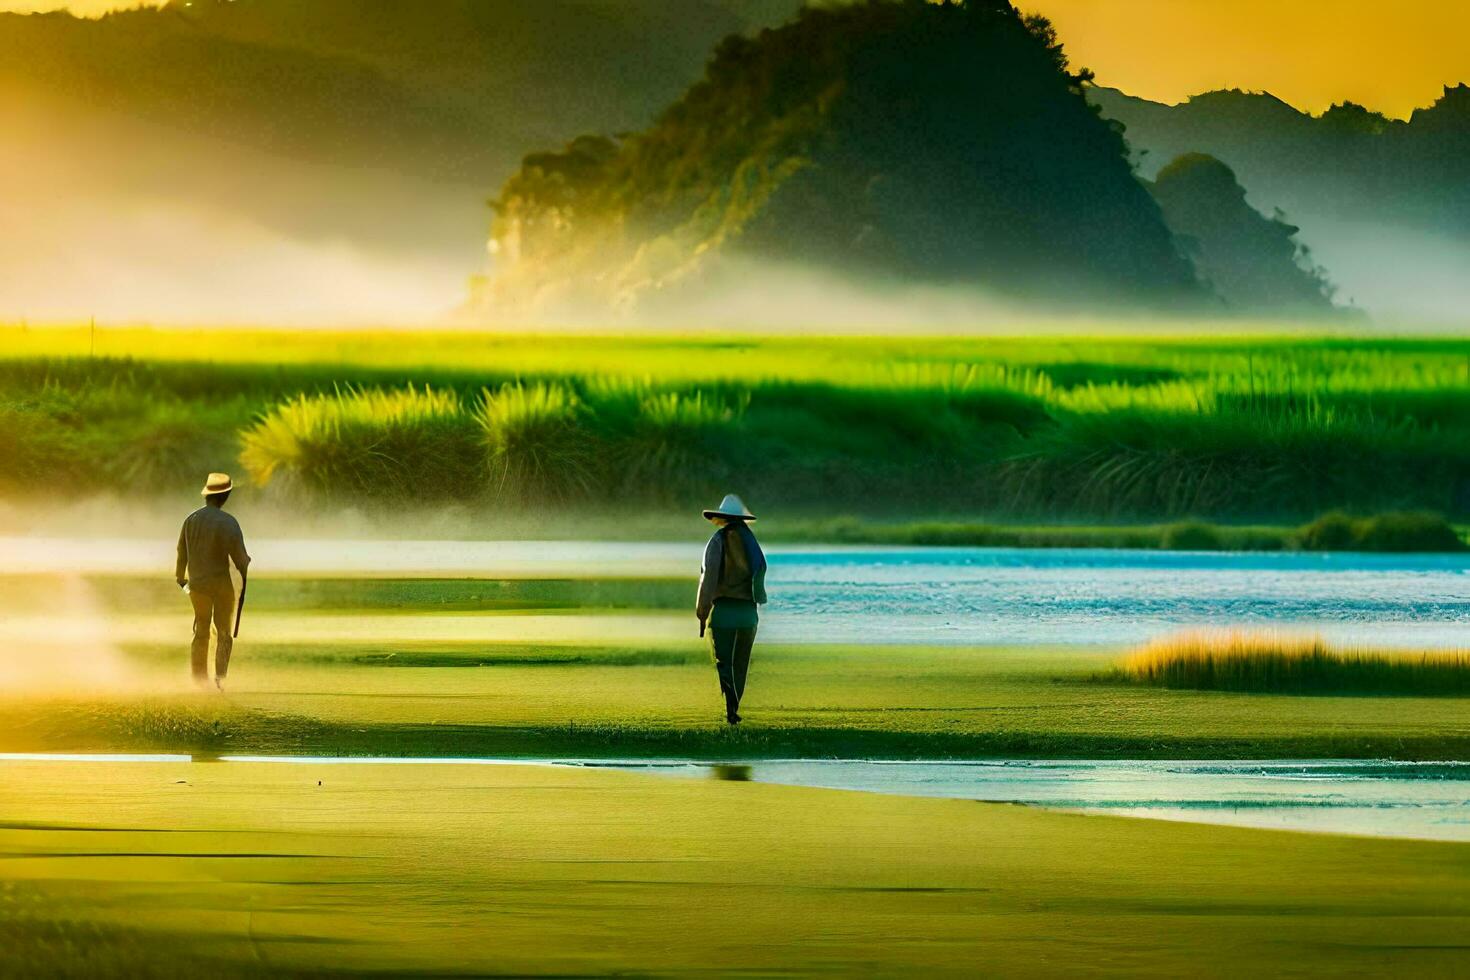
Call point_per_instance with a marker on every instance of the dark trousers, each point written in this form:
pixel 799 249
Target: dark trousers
pixel 213 605
pixel 732 660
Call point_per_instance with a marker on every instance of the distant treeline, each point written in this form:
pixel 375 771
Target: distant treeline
pixel 1335 531
pixel 1383 203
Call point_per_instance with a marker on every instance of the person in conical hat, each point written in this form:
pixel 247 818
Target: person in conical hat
pixel 208 542
pixel 732 587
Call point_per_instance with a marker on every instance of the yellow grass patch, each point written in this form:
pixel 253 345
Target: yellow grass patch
pixel 1271 660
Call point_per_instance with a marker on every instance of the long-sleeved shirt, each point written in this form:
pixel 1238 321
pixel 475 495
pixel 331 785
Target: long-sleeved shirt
pixel 209 540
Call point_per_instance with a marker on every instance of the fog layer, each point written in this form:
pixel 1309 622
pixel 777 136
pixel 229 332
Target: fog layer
pixel 130 222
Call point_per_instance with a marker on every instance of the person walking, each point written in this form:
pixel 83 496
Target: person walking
pixel 732 585
pixel 209 540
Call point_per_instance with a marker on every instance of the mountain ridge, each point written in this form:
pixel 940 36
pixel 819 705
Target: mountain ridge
pixel 1383 203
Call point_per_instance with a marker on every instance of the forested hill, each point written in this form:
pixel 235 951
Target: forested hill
pixel 452 89
pixel 1384 203
pixel 932 142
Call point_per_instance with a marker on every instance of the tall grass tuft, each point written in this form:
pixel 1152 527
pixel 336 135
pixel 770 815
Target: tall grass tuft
pixel 378 443
pixel 1193 448
pixel 1280 663
pixel 535 442
pixel 671 444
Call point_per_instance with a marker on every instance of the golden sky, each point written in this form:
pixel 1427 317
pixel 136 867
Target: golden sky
pixel 87 8
pixel 1391 55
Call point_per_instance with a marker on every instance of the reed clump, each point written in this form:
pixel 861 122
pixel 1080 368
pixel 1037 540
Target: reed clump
pixel 371 442
pixel 536 447
pixel 518 444
pixel 1273 662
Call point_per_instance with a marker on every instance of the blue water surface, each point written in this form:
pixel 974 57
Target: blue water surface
pixel 1023 595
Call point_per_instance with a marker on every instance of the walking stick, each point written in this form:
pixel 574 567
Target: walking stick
pixel 240 605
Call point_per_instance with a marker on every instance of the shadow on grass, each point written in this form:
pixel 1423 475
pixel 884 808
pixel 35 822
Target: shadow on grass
pixel 207 729
pixel 492 654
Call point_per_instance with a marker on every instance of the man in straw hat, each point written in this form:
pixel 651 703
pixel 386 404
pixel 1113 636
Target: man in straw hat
pixel 732 584
pixel 209 540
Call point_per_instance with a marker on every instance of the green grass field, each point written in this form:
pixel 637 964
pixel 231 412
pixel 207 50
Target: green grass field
pixel 242 869
pixel 223 870
pixel 1242 428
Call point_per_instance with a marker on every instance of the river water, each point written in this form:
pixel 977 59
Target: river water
pixel 859 595
pixel 1044 596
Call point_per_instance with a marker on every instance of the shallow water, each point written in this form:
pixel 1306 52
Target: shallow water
pixel 1384 799
pixel 917 595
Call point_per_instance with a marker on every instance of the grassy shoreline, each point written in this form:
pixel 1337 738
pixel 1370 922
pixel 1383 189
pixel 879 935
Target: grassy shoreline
pixel 572 700
pixel 207 736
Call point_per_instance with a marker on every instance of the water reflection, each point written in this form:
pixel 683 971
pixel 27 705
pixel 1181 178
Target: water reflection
pixel 731 774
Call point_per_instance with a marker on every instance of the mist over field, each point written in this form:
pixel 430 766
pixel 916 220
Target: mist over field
pixel 1403 277
pixel 182 228
pixel 56 638
pixel 287 163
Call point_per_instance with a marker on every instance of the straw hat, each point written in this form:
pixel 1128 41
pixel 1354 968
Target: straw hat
pixel 732 507
pixel 217 483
